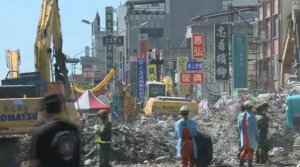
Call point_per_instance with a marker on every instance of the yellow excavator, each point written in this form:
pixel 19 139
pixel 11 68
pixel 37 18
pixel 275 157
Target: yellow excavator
pixel 21 93
pixel 290 55
pixel 159 99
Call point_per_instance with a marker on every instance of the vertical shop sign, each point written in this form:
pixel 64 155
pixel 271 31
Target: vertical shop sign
pixel 109 31
pixel 198 46
pixel 182 89
pixel 143 38
pixel 151 72
pixel 141 76
pixel 240 60
pixel 221 52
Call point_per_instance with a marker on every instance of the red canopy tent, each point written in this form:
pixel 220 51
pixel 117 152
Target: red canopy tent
pixel 88 102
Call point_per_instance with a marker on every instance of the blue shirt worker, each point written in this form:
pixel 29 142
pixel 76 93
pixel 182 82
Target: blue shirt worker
pixel 185 131
pixel 247 126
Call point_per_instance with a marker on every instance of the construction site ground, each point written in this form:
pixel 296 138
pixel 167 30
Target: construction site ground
pixel 149 141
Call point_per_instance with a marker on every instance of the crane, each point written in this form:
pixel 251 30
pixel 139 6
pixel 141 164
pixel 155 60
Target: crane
pixel 49 27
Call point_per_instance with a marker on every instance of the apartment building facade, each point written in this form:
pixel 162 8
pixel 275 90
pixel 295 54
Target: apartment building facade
pixel 271 29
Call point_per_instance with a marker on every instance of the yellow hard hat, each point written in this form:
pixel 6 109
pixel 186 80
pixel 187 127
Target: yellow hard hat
pixel 110 95
pixel 184 110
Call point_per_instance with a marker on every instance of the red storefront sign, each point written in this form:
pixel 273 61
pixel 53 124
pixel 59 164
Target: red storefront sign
pixel 192 78
pixel 198 46
pixel 92 74
pixel 142 56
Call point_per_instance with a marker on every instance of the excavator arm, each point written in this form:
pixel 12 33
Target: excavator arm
pixel 49 29
pixel 291 45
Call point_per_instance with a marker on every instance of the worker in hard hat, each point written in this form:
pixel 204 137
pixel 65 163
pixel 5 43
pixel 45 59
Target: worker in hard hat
pixel 247 125
pixel 263 127
pixel 185 131
pixel 104 138
pixel 240 149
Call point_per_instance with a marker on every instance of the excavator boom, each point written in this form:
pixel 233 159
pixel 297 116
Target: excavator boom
pixel 289 59
pixel 49 28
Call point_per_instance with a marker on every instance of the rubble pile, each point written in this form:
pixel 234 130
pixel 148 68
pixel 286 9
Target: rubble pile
pixel 150 139
pixel 144 141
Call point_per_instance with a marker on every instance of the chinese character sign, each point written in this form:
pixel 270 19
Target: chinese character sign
pixel 151 72
pixel 194 66
pixel 109 31
pixel 141 78
pixel 198 46
pixel 181 61
pixel 142 56
pixel 191 78
pixel 240 60
pixel 221 52
pixel 109 58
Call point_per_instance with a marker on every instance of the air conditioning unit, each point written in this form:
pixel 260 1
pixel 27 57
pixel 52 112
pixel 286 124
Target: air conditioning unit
pixel 263 37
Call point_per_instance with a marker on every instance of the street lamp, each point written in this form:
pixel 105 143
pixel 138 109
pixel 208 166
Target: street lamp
pixel 116 37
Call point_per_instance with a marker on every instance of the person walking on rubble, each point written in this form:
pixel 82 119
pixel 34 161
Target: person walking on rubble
pixel 185 131
pixel 240 149
pixel 104 138
pixel 247 125
pixel 57 142
pixel 263 127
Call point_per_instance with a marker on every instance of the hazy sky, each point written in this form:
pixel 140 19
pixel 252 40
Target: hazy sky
pixel 19 20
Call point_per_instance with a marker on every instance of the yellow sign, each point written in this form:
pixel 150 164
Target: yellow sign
pixel 183 89
pixel 182 62
pixel 151 72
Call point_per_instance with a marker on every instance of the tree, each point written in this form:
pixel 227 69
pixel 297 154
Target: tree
pixel 84 86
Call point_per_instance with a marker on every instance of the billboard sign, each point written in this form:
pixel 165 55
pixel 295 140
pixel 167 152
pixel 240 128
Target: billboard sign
pixel 109 31
pixel 194 66
pixel 221 51
pixel 142 56
pixel 92 74
pixel 143 43
pixel 240 60
pixel 141 77
pixel 151 72
pixel 198 46
pixel 89 61
pixel 191 78
pixel 112 40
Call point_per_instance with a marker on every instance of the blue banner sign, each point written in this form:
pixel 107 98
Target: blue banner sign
pixel 240 60
pixel 141 78
pixel 194 66
pixel 112 40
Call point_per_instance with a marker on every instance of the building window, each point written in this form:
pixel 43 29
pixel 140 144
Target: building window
pixel 275 6
pixel 275 26
pixel 260 13
pixel 268 33
pixel 268 7
pixel 276 67
pixel 268 49
pixel 155 4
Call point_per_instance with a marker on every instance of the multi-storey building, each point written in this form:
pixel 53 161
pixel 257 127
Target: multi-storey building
pixel 271 30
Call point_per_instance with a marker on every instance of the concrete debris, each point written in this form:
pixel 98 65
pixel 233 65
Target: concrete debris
pixel 150 140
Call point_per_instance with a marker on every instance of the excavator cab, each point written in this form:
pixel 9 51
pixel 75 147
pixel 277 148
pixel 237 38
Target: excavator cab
pixel 292 110
pixel 154 89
